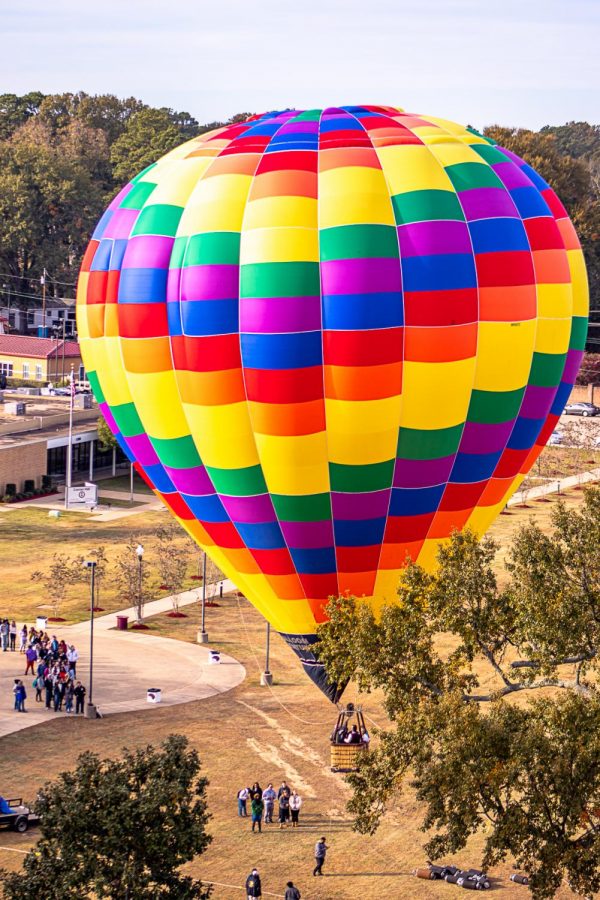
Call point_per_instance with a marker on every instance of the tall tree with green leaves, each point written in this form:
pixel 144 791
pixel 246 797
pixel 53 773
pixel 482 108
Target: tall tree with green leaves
pixel 119 829
pixel 148 135
pixel 449 657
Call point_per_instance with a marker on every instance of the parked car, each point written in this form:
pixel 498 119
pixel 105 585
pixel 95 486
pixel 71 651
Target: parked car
pixel 60 392
pixel 581 409
pixel 15 815
pixel 555 438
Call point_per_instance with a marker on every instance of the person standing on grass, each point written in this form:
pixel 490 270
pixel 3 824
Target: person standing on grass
pixel 4 633
pixel 30 658
pixel 292 892
pixel 253 885
pixel 321 849
pixel 256 789
pixel 269 796
pixel 295 804
pixel 79 697
pixel 13 635
pixel 284 809
pixel 242 799
pixel 257 808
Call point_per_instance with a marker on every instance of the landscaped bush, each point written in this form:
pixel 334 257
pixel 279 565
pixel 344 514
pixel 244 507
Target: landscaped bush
pixel 11 490
pixel 29 486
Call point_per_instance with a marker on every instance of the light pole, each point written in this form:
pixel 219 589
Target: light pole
pixel 203 634
pixel 140 555
pixel 266 679
pixel 90 709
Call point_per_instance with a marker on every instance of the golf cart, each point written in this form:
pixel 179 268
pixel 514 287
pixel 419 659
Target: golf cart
pixel 16 816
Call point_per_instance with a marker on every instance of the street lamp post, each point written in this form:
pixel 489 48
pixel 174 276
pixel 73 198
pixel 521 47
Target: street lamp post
pixel 203 634
pixel 266 679
pixel 90 709
pixel 140 555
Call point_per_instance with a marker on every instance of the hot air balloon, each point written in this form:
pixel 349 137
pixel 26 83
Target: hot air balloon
pixel 327 338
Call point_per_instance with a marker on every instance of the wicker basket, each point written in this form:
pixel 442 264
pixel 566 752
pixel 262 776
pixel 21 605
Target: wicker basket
pixel 344 757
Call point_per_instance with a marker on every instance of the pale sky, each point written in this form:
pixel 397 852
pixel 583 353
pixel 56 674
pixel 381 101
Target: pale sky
pixel 517 62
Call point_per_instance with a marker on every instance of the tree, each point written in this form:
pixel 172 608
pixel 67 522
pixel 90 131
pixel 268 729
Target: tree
pixel 449 657
pixel 173 557
pixel 148 135
pixel 60 575
pixel 589 373
pixel 106 438
pixel 119 828
pixel 98 555
pixel 575 180
pixel 132 577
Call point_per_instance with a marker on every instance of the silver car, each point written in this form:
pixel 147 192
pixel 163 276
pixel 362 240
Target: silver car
pixel 581 409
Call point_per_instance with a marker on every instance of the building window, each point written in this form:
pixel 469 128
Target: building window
pixel 6 368
pixel 38 373
pixel 81 372
pixel 25 370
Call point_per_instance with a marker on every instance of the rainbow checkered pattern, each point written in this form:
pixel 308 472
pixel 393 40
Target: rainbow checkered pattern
pixel 327 339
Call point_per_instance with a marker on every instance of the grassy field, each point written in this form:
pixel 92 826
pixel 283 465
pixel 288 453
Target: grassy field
pixel 29 538
pixel 250 733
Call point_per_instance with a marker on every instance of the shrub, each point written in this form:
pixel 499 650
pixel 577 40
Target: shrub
pixel 29 486
pixel 11 490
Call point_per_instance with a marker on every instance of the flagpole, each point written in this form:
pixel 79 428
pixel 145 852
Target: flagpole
pixel 70 444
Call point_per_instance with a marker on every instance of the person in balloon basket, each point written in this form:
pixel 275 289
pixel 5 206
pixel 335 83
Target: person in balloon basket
pixel 269 796
pixel 253 885
pixel 242 799
pixel 257 808
pixel 321 849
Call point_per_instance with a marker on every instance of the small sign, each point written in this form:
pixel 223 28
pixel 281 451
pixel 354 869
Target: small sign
pixel 87 493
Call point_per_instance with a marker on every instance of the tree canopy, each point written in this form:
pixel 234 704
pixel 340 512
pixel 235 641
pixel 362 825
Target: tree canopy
pixel 119 828
pixel 450 657
pixel 64 156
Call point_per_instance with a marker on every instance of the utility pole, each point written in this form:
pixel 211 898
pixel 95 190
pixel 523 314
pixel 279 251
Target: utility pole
pixel 43 283
pixel 90 709
pixel 202 636
pixel 70 445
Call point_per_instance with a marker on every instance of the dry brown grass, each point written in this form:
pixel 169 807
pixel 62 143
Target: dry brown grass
pixel 250 733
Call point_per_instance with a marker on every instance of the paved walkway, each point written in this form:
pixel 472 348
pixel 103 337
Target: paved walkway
pixel 126 664
pixel 555 487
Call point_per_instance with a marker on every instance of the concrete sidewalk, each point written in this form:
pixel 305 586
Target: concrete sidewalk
pixel 126 665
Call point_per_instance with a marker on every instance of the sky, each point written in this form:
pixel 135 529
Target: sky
pixel 514 62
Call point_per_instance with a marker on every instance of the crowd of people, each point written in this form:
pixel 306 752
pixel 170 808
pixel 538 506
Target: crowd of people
pixel 262 805
pixel 53 665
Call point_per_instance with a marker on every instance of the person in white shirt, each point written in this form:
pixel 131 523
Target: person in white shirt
pixel 295 804
pixel 72 657
pixel 242 798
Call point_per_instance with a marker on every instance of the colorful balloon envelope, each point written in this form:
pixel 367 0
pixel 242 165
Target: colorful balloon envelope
pixel 327 339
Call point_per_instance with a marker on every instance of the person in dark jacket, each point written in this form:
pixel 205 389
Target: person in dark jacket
pixel 321 849
pixel 79 697
pixel 253 885
pixel 292 892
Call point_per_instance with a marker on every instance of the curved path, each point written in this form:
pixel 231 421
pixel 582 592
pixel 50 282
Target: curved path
pixel 126 664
